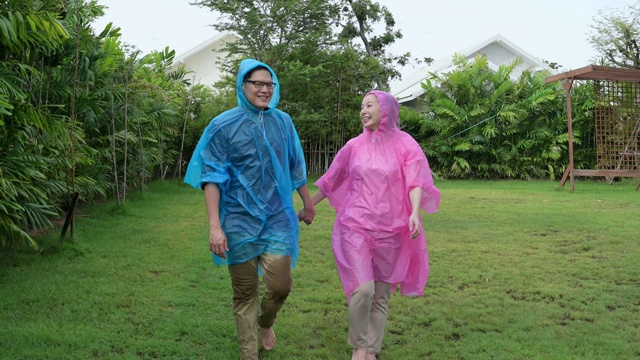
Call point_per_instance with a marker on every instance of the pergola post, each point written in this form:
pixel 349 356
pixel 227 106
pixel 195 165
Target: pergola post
pixel 567 88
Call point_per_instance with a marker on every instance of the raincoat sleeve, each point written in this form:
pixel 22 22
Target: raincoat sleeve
pixel 214 159
pixel 418 174
pixel 298 167
pixel 208 163
pixel 332 184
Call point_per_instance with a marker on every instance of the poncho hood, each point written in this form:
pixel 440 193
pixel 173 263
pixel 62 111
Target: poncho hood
pixel 246 66
pixel 389 110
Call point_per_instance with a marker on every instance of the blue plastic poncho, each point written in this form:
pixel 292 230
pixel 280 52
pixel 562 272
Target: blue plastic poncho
pixel 256 159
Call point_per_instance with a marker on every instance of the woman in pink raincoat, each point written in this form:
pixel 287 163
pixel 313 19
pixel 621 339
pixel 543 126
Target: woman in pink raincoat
pixel 377 183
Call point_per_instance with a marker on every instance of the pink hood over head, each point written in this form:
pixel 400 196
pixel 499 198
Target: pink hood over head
pixel 389 110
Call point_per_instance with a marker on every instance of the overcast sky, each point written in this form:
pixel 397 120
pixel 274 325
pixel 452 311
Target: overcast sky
pixel 552 30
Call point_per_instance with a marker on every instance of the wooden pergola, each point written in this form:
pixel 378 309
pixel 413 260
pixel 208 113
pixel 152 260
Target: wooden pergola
pixel 617 117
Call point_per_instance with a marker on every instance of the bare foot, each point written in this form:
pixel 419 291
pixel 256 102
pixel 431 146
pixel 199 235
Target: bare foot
pixel 359 354
pixel 268 337
pixel 371 356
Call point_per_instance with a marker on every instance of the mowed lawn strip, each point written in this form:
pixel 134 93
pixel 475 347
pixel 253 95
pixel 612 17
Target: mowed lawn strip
pixel 519 270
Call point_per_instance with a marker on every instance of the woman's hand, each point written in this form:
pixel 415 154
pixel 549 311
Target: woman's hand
pixel 415 224
pixel 415 221
pixel 218 242
pixel 307 214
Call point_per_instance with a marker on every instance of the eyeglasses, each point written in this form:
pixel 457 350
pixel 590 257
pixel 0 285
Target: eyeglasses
pixel 260 84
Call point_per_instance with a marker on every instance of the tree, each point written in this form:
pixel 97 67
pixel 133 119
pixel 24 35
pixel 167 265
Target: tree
pixel 325 75
pixel 64 93
pixel 34 132
pixel 361 17
pixel 270 30
pixel 616 36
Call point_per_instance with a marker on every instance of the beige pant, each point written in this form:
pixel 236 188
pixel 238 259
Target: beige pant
pixel 368 311
pixel 276 273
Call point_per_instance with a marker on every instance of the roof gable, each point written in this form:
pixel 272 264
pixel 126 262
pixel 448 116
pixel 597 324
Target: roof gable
pixel 216 42
pixel 498 49
pixel 202 60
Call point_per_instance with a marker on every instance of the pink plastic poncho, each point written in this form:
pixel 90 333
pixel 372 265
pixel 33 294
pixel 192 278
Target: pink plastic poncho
pixel 368 185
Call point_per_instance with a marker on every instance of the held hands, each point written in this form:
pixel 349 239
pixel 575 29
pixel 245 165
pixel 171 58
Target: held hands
pixel 415 223
pixel 218 242
pixel 306 214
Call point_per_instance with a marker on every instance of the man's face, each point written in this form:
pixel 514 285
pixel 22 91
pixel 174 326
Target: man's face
pixel 257 88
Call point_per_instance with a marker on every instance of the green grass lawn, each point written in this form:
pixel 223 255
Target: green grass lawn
pixel 519 270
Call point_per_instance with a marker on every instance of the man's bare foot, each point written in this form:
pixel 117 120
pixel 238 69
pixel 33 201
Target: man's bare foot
pixel 371 356
pixel 359 354
pixel 268 337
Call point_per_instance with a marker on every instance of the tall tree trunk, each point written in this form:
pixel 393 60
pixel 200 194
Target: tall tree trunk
pixel 113 143
pixel 367 44
pixel 163 171
pixel 142 176
pixel 126 132
pixel 73 120
pixel 184 131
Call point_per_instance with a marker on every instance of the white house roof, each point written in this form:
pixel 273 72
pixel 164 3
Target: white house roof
pixel 498 49
pixel 202 60
pixel 206 45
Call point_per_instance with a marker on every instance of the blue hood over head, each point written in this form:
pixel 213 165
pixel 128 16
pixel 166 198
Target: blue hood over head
pixel 246 66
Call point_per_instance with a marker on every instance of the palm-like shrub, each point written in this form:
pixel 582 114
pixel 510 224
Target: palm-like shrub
pixel 79 113
pixel 29 128
pixel 484 124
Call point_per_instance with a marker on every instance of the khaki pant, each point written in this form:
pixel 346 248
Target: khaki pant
pixel 276 273
pixel 368 311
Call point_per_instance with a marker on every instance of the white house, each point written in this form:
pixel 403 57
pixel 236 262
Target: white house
pixel 498 50
pixel 202 59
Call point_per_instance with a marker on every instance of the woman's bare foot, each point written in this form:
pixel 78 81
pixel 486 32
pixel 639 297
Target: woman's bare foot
pixel 359 354
pixel 268 338
pixel 371 356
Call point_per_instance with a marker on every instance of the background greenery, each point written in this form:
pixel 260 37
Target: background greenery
pixel 82 114
pixel 519 270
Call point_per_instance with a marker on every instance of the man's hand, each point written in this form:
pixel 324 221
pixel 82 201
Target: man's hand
pixel 307 214
pixel 218 242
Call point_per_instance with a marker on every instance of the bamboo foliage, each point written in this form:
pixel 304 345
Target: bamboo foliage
pixel 324 98
pixel 82 112
pixel 79 112
pixel 26 125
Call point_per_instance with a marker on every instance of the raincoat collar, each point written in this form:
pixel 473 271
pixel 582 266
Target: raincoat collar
pixel 247 65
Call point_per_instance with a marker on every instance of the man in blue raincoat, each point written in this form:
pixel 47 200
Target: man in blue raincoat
pixel 248 162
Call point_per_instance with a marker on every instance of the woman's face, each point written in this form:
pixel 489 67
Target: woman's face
pixel 257 88
pixel 370 112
